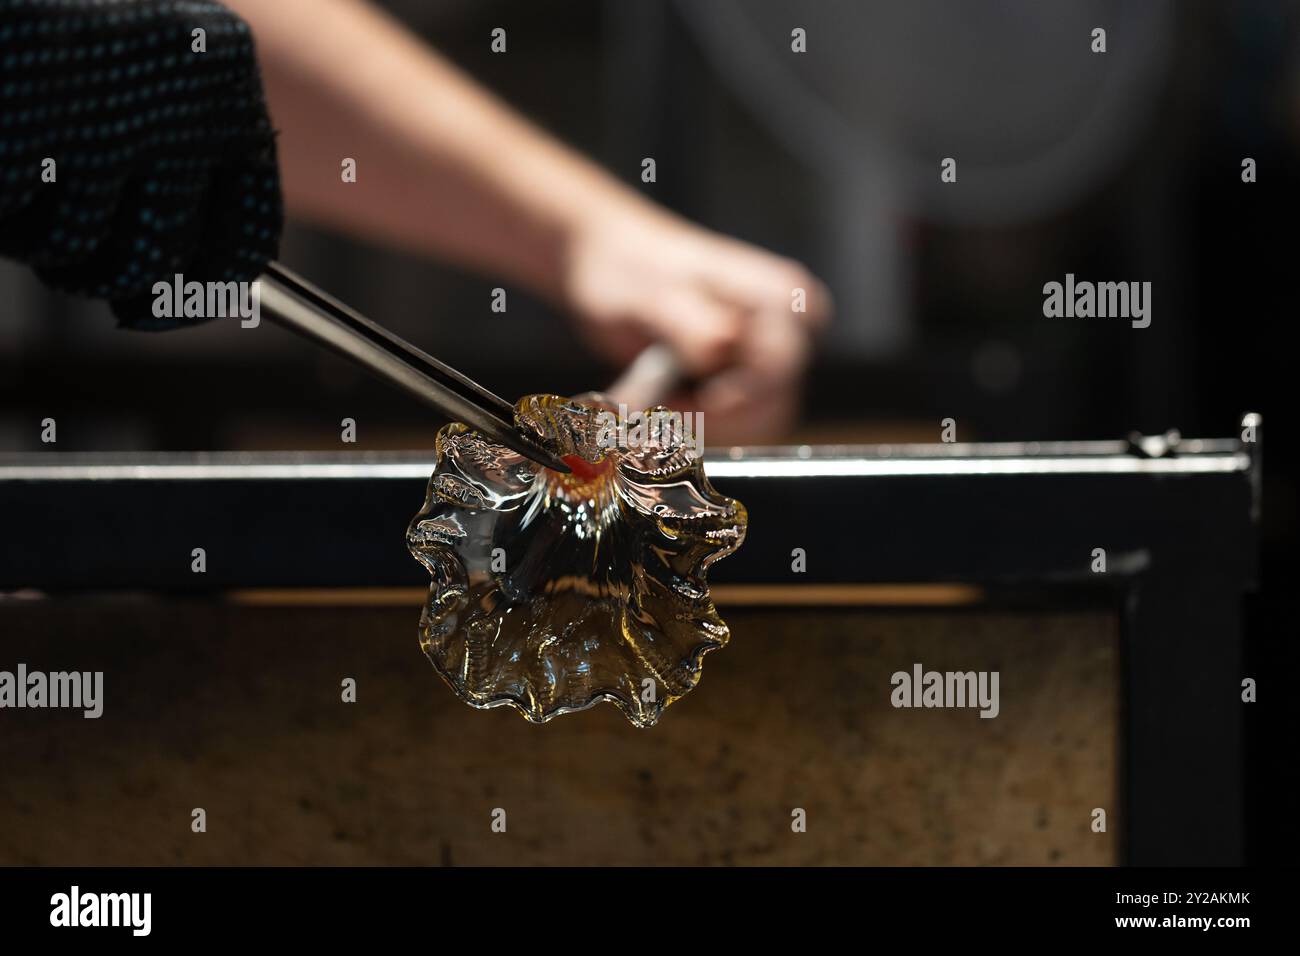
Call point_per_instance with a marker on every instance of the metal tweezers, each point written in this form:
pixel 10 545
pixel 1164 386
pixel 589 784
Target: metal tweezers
pixel 295 303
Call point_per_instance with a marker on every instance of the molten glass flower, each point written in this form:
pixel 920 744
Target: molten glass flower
pixel 552 592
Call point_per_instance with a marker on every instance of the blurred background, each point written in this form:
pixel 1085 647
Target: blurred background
pixel 1117 166
pixel 1122 166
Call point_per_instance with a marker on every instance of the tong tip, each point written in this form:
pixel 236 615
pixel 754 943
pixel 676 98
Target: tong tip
pixel 534 452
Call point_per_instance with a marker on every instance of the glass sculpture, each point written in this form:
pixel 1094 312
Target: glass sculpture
pixel 552 592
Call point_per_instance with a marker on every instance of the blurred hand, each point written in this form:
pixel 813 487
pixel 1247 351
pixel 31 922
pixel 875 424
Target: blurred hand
pixel 724 307
pixel 452 172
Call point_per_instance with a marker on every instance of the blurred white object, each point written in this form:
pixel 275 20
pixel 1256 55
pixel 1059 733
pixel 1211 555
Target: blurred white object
pixel 649 380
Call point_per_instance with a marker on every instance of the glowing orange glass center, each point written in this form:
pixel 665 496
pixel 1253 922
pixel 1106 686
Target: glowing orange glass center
pixel 584 475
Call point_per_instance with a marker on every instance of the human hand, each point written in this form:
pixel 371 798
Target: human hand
pixel 137 146
pixel 727 309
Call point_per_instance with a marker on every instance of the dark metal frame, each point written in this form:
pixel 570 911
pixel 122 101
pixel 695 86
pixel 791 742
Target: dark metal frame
pixel 1179 531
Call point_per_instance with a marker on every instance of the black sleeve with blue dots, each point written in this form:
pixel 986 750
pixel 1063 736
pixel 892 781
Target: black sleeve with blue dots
pixel 163 156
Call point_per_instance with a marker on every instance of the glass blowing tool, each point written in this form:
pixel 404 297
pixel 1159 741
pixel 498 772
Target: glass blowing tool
pixel 293 302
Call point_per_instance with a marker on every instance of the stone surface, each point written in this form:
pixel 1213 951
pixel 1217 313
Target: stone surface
pixel 237 710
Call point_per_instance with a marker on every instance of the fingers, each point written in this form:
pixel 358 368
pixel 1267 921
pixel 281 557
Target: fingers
pixel 739 320
pixel 748 302
pixel 703 331
pixel 759 280
pixel 735 414
pixel 756 398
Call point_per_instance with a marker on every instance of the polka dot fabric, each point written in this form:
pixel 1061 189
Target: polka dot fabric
pixel 164 157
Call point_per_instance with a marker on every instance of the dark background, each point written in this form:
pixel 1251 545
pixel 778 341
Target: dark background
pixel 1122 167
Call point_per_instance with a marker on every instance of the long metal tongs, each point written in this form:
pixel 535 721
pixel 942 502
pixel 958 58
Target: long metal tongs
pixel 295 303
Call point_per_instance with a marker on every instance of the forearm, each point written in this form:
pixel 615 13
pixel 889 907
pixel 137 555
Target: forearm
pixel 442 166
